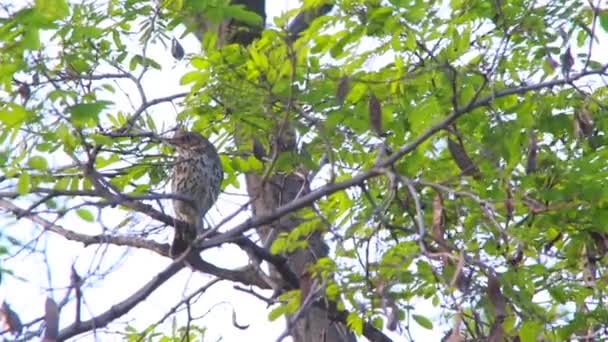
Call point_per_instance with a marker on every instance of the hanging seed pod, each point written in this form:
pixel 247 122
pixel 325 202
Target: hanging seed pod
pixel 509 201
pixel 462 159
pixel 24 91
pixel 438 228
pixel 375 114
pixel 567 62
pixel 585 122
pixel 532 153
pixel 258 149
pixel 51 320
pixel 343 89
pixel 177 51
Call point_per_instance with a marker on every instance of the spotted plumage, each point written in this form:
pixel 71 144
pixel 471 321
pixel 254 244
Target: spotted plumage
pixel 197 176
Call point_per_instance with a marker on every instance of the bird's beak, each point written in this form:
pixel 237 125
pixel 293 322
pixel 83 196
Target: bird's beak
pixel 168 141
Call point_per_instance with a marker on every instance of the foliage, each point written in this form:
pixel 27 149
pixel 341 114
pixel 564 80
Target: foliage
pixel 456 162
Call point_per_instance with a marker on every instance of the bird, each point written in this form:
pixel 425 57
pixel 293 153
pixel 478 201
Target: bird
pixel 197 177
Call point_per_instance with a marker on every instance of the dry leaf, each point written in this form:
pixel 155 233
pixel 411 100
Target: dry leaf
pixel 51 319
pixel 567 62
pixel 24 91
pixel 375 114
pixel 509 202
pixel 343 89
pixel 532 153
pixel 458 280
pixel 583 123
pixel 438 229
pixel 177 51
pixel 10 319
pixel 462 159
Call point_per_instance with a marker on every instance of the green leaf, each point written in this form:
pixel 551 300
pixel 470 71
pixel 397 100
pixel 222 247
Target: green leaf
pixel 52 9
pixel 62 183
pixel 31 39
pixel 529 331
pixel 193 76
pixel 423 321
pixel 13 114
pixel 355 322
pixel 604 20
pixel 85 215
pixel 23 184
pixel 37 162
pixel 87 114
pixel 240 13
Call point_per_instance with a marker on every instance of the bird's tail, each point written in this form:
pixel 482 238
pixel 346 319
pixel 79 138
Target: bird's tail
pixel 183 238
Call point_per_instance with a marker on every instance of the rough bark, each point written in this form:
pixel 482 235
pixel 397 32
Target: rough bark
pixel 271 193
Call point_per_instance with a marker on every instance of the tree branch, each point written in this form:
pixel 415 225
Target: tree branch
pixel 246 275
pixel 123 307
pixel 377 170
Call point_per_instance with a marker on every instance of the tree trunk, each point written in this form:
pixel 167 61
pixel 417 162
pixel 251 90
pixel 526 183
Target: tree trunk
pixel 314 325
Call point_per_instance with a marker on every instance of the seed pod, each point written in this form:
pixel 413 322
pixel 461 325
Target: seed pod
pixel 51 320
pixel 567 62
pixel 343 89
pixel 438 228
pixel 24 91
pixel 258 149
pixel 462 159
pixel 177 51
pixel 509 201
pixel 375 114
pixel 532 153
pixel 585 123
